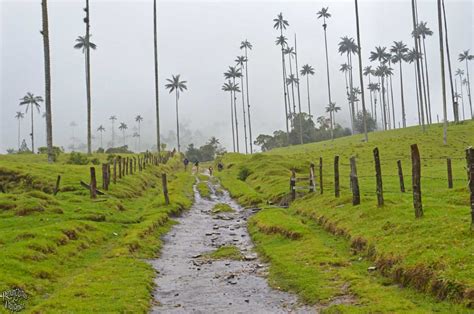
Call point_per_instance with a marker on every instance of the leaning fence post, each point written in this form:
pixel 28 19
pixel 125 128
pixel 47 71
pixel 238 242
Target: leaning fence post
pixel 336 176
pixel 416 180
pixel 119 161
pixel 450 173
pixel 311 177
pixel 56 188
pixel 293 184
pixel 378 176
pixel 400 176
pixel 470 171
pixel 321 175
pixel 354 183
pixel 165 188
pixel 93 184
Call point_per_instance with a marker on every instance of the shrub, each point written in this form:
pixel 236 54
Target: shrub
pixel 244 172
pixel 118 150
pixel 100 150
pixel 95 161
pixel 77 159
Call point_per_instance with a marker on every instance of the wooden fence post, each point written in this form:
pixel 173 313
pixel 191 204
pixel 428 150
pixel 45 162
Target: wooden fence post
pixel 104 176
pixel 165 188
pixel 416 180
pixel 311 177
pixel 336 177
pixel 450 173
pixel 120 166
pixel 321 175
pixel 134 164
pixel 131 166
pixel 378 176
pixel 108 175
pixel 127 166
pixel 470 170
pixel 293 184
pixel 400 176
pixel 115 171
pixel 93 184
pixel 354 183
pixel 56 188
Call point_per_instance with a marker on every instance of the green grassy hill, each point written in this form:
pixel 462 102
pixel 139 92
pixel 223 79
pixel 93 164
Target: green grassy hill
pixel 72 254
pixel 322 246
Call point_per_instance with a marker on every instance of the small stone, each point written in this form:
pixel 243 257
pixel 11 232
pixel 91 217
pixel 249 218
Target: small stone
pixel 251 257
pixel 372 268
pixel 247 300
pixel 196 256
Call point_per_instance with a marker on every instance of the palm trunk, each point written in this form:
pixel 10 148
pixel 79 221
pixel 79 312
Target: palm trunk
pixel 32 132
pixel 157 103
pixel 404 120
pixel 361 78
pixel 243 112
pixel 462 98
pixel 292 85
pixel 425 95
pixel 18 134
pixel 443 78
pixel 88 77
pixel 327 61
pixel 413 10
pixel 284 91
pixel 177 121
pixel 113 134
pixel 371 100
pixel 123 135
pixel 391 98
pixel 101 144
pixel 351 87
pixel 469 89
pixel 139 136
pixel 384 104
pixel 348 98
pixel 428 112
pixel 417 97
pixel 236 122
pixel 232 118
pixel 248 102
pixel 299 95
pixel 47 82
pixel 307 88
pixel 455 103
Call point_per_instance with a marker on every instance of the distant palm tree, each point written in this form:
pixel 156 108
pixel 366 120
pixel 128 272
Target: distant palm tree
pixel 411 57
pixel 73 138
pixel 231 88
pixel 374 88
pixel 101 129
pixel 123 127
pixel 368 71
pixel 332 109
pixel 324 14
pixel 246 45
pixel 465 82
pixel 307 70
pixel 383 71
pixel 465 56
pixel 380 54
pixel 84 43
pixel 345 68
pixel 460 73
pixel 178 86
pixel 47 80
pixel 299 94
pixel 31 101
pixel 113 118
pixel 157 103
pixel 139 119
pixel 348 47
pixel 19 116
pixel 422 32
pixel 136 135
pixel 399 51
pixel 241 63
pixel 234 73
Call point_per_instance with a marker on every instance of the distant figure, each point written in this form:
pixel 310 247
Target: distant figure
pixel 220 166
pixel 186 163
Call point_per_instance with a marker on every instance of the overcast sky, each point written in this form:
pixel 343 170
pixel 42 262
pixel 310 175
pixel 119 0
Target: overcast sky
pixel 199 40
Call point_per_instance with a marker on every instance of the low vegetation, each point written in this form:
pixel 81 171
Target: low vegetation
pixel 222 208
pixel 227 252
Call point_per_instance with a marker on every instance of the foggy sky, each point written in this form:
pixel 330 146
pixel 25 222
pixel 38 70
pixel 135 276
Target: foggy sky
pixel 199 40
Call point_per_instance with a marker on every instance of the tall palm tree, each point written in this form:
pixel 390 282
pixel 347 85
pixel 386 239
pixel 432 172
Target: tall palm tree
pixel 307 70
pixel 19 116
pixel 84 43
pixel 177 86
pixel 465 82
pixel 332 109
pixel 324 14
pixel 157 102
pixel 281 24
pixel 113 119
pixel 290 52
pixel 282 41
pixel 31 101
pixel 123 127
pixel 460 73
pixel 101 129
pixel 348 47
pixel 374 88
pixel 139 120
pixel 423 31
pixel 399 51
pixel 448 56
pixel 382 56
pixel 383 71
pixel 246 45
pixel 234 73
pixel 443 77
pixel 465 56
pixel 241 63
pixel 368 71
pixel 345 68
pixel 47 80
pixel 411 57
pixel 231 88
pixel 299 93
pixel 361 77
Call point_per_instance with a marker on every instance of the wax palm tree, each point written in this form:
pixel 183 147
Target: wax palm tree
pixel 73 124
pixel 101 129
pixel 299 93
pixel 113 119
pixel 19 116
pixel 83 43
pixel 345 68
pixel 411 57
pixel 374 88
pixel 465 82
pixel 448 57
pixel 383 71
pixel 139 120
pixel 368 71
pixel 465 56
pixel 324 14
pixel 361 77
pixel 281 24
pixel 231 88
pixel 177 86
pixel 399 51
pixel 157 102
pixel 123 127
pixel 422 31
pixel 290 52
pixel 332 108
pixel 307 70
pixel 460 73
pixel 348 47
pixel 232 74
pixel 240 60
pixel 382 56
pixel 31 101
pixel 246 45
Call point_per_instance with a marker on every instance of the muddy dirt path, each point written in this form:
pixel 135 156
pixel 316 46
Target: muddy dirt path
pixel 187 283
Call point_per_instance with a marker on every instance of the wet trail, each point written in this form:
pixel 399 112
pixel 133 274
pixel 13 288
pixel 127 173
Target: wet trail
pixel 187 283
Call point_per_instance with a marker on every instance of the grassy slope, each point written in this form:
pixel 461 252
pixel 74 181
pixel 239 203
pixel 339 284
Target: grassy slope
pixel 70 253
pixel 432 254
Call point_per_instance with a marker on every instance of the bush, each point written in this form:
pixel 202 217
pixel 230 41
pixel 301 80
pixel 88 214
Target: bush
pixel 100 150
pixel 118 150
pixel 77 159
pixel 244 172
pixel 95 161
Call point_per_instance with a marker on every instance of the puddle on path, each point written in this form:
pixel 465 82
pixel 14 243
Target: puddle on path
pixel 187 284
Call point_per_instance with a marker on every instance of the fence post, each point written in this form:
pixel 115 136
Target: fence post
pixel 120 166
pixel 115 171
pixel 293 184
pixel 355 183
pixel 165 188
pixel 134 164
pixel 400 176
pixel 131 166
pixel 104 176
pixel 450 173
pixel 93 184
pixel 311 177
pixel 108 175
pixel 56 188
pixel 321 175
pixel 378 176
pixel 416 180
pixel 470 171
pixel 336 176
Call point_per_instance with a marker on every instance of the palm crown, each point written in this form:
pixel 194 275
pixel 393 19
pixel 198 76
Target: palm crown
pixel 323 13
pixel 307 70
pixel 373 87
pixel 280 22
pixel 19 115
pixel 113 118
pixel 281 41
pixel 82 42
pixel 245 45
pixel 332 107
pixel 123 126
pixel 101 128
pixel 240 60
pixel 289 51
pixel 31 100
pixel 399 51
pixel 412 55
pixel 344 67
pixel 232 73
pixel 380 54
pixel 422 30
pixel 348 45
pixel 291 79
pixel 465 56
pixel 176 84
pixel 139 118
pixel 459 72
pixel 230 87
pixel 368 70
